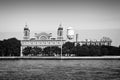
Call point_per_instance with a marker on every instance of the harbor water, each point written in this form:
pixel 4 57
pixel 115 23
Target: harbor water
pixel 59 69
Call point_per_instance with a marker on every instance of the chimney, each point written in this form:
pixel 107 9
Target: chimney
pixel 76 38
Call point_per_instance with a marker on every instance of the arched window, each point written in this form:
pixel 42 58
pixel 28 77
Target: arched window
pixel 43 38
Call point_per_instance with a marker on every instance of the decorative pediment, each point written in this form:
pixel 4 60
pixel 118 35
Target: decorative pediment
pixel 42 36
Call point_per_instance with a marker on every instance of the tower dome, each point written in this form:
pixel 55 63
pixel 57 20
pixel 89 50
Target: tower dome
pixel 60 27
pixel 26 27
pixel 70 33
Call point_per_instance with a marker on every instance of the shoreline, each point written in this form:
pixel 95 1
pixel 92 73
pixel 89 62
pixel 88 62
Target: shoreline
pixel 61 58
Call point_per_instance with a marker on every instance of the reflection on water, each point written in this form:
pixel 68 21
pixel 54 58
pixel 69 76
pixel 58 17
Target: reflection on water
pixel 60 70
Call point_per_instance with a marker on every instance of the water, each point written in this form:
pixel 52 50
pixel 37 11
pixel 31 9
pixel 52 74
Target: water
pixel 60 70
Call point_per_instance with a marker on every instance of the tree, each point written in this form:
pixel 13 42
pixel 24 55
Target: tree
pixel 51 51
pixel 94 50
pixel 104 50
pixel 68 48
pixel 2 49
pixel 10 47
pixel 55 50
pixel 84 50
pixel 36 51
pixel 27 51
pixel 76 50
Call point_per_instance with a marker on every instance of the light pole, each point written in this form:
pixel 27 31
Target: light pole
pixel 61 47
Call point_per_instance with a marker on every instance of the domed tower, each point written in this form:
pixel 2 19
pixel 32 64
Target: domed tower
pixel 70 33
pixel 26 33
pixel 60 32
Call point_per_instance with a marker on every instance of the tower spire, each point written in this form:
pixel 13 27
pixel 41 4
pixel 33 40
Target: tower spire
pixel 26 25
pixel 60 25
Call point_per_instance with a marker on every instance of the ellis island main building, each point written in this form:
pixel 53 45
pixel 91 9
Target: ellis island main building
pixel 42 39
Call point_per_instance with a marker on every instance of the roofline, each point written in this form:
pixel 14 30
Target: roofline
pixel 42 40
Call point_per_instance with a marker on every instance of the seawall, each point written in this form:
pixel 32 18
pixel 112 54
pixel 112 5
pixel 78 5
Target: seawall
pixel 62 58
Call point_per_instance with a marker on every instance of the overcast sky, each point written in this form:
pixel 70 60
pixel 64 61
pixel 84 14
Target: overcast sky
pixel 46 15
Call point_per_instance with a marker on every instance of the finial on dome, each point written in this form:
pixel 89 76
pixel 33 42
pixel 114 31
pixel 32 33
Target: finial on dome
pixel 26 24
pixel 60 25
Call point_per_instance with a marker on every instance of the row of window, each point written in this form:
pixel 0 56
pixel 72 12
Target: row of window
pixel 107 43
pixel 44 42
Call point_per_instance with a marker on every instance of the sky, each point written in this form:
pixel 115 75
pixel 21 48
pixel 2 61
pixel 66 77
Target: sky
pixel 85 16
